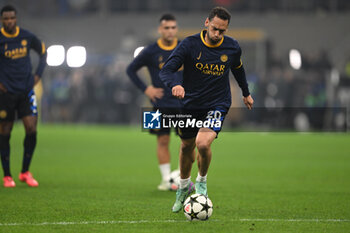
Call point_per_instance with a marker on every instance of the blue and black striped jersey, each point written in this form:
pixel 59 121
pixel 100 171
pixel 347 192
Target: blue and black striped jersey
pixel 206 71
pixel 153 57
pixel 15 64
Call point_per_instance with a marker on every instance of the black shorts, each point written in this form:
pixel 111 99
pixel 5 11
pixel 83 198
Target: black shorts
pixel 20 105
pixel 165 131
pixel 212 115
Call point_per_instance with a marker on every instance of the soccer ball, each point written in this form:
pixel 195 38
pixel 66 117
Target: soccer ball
pixel 174 180
pixel 198 207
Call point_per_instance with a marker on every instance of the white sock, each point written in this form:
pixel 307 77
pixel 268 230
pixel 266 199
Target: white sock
pixel 185 182
pixel 201 178
pixel 165 171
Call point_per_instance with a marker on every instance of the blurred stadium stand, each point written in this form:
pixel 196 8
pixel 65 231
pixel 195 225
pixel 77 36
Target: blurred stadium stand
pixel 73 7
pixel 100 91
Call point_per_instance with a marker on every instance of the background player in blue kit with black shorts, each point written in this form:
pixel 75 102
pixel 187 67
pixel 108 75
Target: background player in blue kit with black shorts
pixel 16 91
pixel 208 58
pixel 153 57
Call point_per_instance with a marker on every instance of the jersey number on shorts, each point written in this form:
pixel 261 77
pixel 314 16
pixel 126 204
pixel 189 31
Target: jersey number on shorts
pixel 216 114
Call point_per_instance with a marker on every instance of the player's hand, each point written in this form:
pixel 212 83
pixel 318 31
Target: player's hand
pixel 36 79
pixel 178 91
pixel 248 101
pixel 154 93
pixel 3 88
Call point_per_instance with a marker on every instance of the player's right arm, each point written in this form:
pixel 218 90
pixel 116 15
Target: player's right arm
pixel 150 91
pixel 171 66
pixel 178 91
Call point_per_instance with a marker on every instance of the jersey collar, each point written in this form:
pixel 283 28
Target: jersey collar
pixel 165 47
pixel 209 45
pixel 8 35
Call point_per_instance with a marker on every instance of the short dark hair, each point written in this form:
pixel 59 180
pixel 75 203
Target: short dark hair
pixel 8 8
pixel 167 17
pixel 220 12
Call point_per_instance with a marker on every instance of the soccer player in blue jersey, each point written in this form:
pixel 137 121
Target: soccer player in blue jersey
pixel 17 97
pixel 208 58
pixel 153 57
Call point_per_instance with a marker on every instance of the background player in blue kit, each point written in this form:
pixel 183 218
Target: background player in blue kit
pixel 153 57
pixel 16 91
pixel 207 58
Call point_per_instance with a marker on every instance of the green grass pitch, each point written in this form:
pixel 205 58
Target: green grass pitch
pixel 104 179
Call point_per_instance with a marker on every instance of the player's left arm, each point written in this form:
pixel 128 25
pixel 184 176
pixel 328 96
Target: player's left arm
pixel 239 74
pixel 39 47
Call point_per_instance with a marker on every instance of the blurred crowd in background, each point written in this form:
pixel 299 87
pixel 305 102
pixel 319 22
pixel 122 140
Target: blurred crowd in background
pixel 79 7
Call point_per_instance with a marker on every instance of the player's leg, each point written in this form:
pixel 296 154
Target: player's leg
pixel 5 133
pixel 29 114
pixel 7 117
pixel 187 157
pixel 30 124
pixel 163 155
pixel 204 140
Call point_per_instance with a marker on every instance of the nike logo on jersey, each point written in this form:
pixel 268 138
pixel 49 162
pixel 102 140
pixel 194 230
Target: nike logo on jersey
pixel 199 56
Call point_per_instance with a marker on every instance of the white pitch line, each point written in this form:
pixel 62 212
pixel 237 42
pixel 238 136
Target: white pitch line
pixel 292 220
pixel 89 222
pixel 168 221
